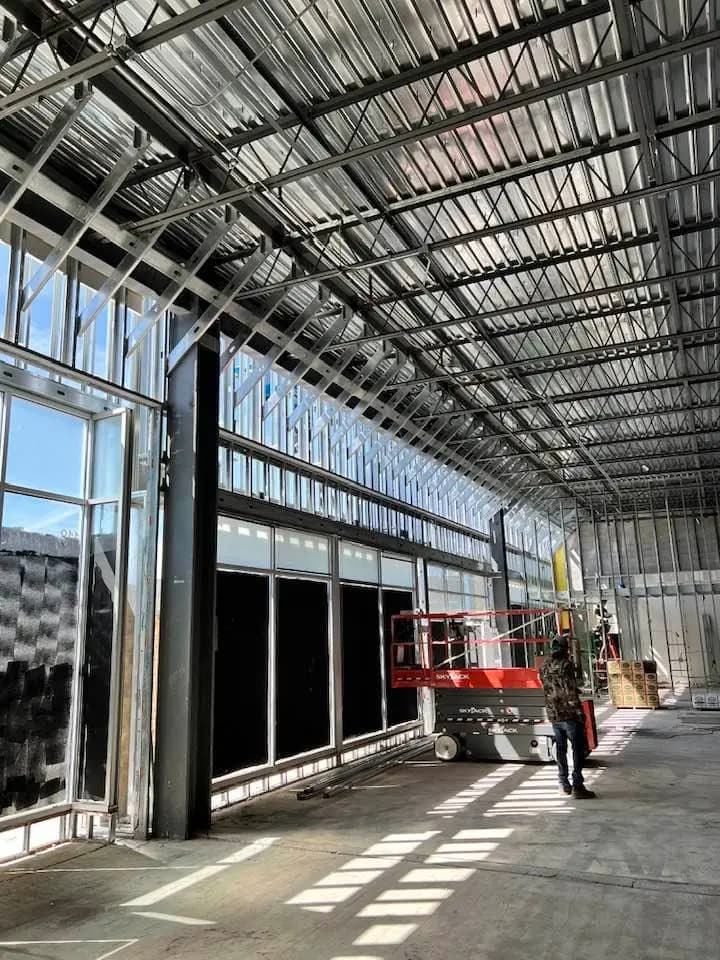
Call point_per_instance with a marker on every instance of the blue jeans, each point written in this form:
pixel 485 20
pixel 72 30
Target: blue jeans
pixel 574 731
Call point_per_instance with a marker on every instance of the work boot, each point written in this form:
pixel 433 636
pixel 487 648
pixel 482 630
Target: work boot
pixel 566 789
pixel 582 793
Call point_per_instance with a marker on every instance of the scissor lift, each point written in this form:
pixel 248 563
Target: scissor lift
pixel 483 667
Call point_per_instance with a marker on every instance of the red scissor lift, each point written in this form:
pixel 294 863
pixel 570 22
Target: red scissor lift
pixel 483 666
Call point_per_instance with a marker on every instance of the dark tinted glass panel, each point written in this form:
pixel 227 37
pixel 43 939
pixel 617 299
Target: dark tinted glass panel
pixel 38 633
pixel 402 705
pixel 303 668
pixel 361 680
pixel 97 666
pixel 240 733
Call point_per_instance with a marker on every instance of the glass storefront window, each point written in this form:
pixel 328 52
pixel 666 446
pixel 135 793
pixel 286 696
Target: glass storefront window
pixel 107 459
pixel 358 563
pixel 397 572
pixel 302 551
pixel 39 576
pixel 97 668
pixel 45 527
pixel 244 544
pixel 46 449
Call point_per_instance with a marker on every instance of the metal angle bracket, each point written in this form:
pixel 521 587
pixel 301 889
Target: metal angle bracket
pixel 86 216
pixel 173 290
pixel 220 303
pixel 23 172
pixel 286 339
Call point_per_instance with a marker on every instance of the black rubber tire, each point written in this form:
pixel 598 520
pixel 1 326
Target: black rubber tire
pixel 448 748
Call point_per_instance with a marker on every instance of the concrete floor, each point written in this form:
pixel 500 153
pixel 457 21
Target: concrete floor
pixel 428 861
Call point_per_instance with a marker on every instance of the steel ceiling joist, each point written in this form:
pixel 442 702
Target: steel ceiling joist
pixel 102 60
pixel 467 54
pixel 642 386
pixel 628 286
pixel 572 359
pixel 687 46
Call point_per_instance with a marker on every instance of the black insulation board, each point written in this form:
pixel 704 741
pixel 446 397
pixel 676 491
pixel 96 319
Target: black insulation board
pixel 303 666
pixel 38 631
pixel 402 704
pixel 240 733
pixel 97 670
pixel 361 677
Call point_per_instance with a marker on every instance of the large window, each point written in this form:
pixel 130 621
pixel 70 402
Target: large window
pixel 61 526
pixel 40 550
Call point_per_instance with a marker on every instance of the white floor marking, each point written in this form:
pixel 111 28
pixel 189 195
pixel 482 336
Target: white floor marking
pixel 251 850
pixel 120 944
pixel 169 889
pixel 173 918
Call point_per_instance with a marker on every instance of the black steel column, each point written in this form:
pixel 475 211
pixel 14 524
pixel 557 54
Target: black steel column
pixel 498 555
pixel 183 748
pixel 500 583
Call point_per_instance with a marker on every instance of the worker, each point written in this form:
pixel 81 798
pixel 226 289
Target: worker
pixel 565 712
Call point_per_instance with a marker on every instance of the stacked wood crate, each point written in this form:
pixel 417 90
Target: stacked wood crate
pixel 633 683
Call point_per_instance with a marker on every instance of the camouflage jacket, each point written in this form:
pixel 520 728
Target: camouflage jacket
pixel 562 695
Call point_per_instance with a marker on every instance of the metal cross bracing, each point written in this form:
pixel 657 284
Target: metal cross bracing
pixel 485 275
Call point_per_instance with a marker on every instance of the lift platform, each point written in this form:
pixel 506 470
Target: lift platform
pixel 484 669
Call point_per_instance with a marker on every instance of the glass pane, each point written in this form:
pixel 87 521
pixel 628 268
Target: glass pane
pixel 45 527
pixel 45 449
pixel 107 459
pixel 454 580
pixel 302 551
pixel 358 563
pixel 50 301
pixel 436 578
pixel 4 273
pixel 38 633
pixel 397 573
pixel 244 544
pixel 97 668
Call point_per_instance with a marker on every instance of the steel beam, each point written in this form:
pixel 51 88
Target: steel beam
pixel 646 477
pixel 103 59
pixel 471 53
pixel 219 304
pixel 514 174
pixel 552 216
pixel 183 749
pixel 614 461
pixel 302 368
pixel 543 92
pixel 578 397
pixel 85 217
pixel 571 298
pixel 572 359
pixel 713 431
pixel 120 275
pixel 176 286
pixel 52 27
pixel 64 119
pixel 264 365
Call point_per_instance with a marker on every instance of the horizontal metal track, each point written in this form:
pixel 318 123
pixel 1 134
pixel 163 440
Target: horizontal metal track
pixel 301 467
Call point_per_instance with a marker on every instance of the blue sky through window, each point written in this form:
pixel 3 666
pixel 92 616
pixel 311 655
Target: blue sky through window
pixel 45 449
